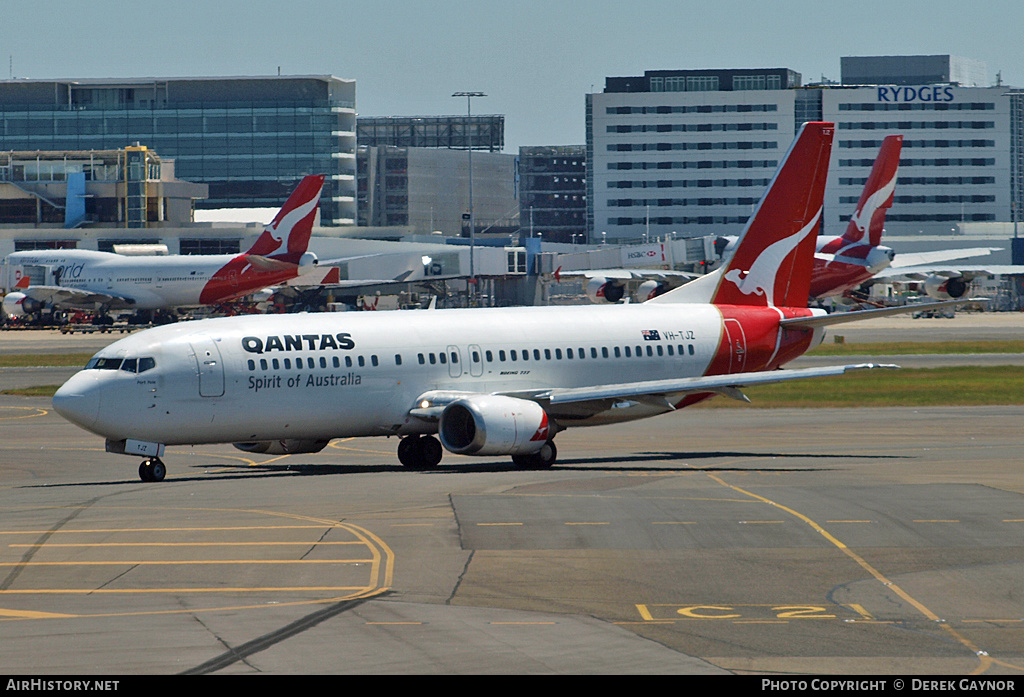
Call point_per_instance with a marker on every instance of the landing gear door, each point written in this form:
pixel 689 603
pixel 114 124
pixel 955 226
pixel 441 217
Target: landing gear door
pixel 209 365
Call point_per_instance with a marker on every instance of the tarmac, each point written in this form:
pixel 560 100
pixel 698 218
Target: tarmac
pixel 739 541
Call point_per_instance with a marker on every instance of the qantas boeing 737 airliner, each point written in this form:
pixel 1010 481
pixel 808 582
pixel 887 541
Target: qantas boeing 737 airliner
pixel 498 381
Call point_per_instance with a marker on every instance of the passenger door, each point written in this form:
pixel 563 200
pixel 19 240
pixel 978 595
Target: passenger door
pixel 209 365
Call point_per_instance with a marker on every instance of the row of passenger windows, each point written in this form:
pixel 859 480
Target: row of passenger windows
pixel 515 355
pixel 310 363
pixel 444 357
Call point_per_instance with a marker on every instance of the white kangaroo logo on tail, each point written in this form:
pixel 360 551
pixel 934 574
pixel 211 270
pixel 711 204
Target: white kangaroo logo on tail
pixel 289 220
pixel 862 218
pixel 760 278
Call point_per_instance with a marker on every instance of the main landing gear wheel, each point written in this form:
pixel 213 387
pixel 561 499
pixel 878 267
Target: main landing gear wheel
pixel 152 470
pixel 542 459
pixel 419 452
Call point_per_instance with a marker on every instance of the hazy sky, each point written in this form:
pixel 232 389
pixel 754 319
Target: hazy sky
pixel 535 60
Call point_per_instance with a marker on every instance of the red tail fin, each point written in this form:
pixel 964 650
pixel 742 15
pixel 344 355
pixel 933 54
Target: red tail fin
pixel 293 224
pixel 773 258
pixel 877 195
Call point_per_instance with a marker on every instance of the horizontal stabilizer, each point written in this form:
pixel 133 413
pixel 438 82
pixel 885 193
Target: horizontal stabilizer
pixel 856 316
pixel 263 263
pixel 908 259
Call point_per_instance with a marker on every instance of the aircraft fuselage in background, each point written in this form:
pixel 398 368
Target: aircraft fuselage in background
pixel 150 282
pixel 841 265
pixel 102 281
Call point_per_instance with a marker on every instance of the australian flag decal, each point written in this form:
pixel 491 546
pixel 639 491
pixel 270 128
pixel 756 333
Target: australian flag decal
pixel 651 335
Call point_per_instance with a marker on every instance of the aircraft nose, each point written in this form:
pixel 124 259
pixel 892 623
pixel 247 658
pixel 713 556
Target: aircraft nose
pixel 78 401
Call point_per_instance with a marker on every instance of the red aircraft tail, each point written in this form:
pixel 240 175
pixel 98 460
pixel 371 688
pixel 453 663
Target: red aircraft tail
pixel 772 262
pixel 266 263
pixel 293 225
pixel 877 195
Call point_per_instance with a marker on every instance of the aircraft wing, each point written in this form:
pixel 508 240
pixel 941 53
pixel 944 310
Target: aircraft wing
pixel 903 260
pixel 659 393
pixel 678 387
pixel 328 282
pixel 61 296
pixel 920 273
pixel 627 274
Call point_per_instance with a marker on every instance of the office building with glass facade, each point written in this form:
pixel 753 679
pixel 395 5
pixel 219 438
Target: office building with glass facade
pixel 553 192
pixel 250 139
pixel 691 152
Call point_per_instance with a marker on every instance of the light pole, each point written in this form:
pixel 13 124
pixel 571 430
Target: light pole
pixel 472 220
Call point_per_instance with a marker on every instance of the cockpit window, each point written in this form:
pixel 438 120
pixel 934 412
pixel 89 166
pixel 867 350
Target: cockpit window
pixel 103 364
pixel 128 365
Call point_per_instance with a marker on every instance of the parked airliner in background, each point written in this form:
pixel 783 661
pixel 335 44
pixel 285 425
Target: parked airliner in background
pixel 840 263
pixel 104 282
pixel 491 381
pixel 843 264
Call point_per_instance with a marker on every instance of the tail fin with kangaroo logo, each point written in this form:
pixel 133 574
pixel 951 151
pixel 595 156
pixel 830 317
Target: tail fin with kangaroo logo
pixel 877 195
pixel 287 236
pixel 774 256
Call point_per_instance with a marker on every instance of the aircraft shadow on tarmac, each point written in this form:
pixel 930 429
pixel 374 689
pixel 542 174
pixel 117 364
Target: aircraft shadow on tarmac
pixel 620 464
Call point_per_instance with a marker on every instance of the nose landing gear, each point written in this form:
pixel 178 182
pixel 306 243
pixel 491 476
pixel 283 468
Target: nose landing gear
pixel 152 469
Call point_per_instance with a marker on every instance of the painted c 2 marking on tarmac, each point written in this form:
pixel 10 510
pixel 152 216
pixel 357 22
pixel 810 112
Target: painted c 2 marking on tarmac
pixel 737 612
pixel 985 661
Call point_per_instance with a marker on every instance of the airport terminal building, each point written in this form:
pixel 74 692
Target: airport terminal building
pixel 690 152
pixel 249 139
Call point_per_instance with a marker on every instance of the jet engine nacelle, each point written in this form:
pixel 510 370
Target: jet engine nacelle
pixel 288 446
pixel 944 288
pixel 493 425
pixel 649 289
pixel 307 261
pixel 603 290
pixel 879 259
pixel 18 305
pixel 725 243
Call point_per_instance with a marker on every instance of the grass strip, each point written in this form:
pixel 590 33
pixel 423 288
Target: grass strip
pixel 46 360
pixel 907 387
pixel 908 348
pixel 37 391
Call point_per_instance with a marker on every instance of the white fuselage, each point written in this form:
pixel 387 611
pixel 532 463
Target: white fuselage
pixel 322 376
pixel 151 282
